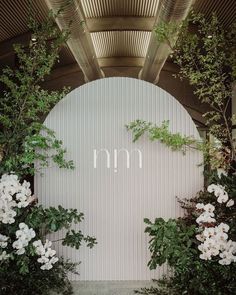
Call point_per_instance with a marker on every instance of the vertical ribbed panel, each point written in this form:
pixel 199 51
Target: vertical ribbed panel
pixel 93 117
pixel 121 43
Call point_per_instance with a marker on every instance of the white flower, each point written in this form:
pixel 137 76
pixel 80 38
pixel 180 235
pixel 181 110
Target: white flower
pixel 20 251
pixel 230 203
pixel 223 198
pixel 3 241
pixel 4 256
pixel 200 206
pixel 24 235
pixel 211 188
pixel 47 244
pixel 206 217
pixel 224 227
pixel 43 259
pixel 209 208
pixel 37 243
pixel 222 236
pixel 209 232
pixel 54 260
pixel 205 256
pixel 47 255
pixel 200 238
pixel 219 192
pixel 225 261
pixel 50 253
pixel 17 244
pixel 13 195
pixel 214 240
pixel 221 172
pixel 46 266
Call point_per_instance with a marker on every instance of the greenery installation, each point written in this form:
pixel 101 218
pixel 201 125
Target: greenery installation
pixel 28 263
pixel 200 248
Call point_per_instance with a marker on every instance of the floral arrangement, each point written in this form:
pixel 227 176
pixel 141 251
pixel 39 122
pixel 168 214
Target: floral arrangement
pixel 199 248
pixel 29 264
pixel 13 198
pixel 24 248
pixel 214 238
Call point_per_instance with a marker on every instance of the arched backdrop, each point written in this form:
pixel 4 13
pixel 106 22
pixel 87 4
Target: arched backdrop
pixel 116 194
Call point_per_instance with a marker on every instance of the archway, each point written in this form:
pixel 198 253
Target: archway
pixel 117 183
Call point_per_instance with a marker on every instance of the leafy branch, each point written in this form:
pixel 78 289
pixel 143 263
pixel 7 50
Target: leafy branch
pixel 54 219
pixel 175 141
pixel 24 103
pixel 206 56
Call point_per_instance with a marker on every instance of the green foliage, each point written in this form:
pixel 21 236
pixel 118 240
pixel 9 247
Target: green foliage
pixel 214 155
pixel 53 219
pixel 171 241
pixel 26 146
pixel 174 242
pixel 74 239
pixel 24 103
pixel 22 273
pixel 201 278
pixel 35 281
pixel 206 56
pixel 175 141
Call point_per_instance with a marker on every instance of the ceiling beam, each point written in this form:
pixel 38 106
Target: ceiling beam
pixel 128 23
pixel 168 11
pixel 79 42
pixel 117 23
pixel 121 61
pixel 107 62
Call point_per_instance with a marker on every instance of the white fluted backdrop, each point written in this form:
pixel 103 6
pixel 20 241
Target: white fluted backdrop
pixel 93 117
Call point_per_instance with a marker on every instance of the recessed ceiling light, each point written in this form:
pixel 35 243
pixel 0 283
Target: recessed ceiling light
pixel 209 36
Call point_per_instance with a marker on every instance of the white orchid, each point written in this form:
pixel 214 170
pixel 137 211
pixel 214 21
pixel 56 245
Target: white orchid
pixel 24 235
pixel 200 206
pixel 230 203
pixel 209 208
pixel 207 216
pixel 214 239
pixel 219 192
pixel 3 241
pixel 47 255
pixel 4 256
pixel 13 195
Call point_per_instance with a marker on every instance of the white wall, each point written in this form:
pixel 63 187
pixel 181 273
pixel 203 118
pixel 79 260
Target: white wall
pixel 93 117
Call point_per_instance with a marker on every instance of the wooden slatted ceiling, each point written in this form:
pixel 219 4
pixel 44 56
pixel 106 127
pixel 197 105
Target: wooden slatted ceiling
pixel 108 43
pixel 121 43
pixel 225 9
pixel 104 8
pixel 14 16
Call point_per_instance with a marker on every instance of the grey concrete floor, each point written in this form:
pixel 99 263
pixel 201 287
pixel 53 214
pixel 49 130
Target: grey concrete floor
pixel 108 287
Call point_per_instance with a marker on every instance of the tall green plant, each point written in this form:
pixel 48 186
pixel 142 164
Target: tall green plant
pixel 23 103
pixel 200 248
pixel 206 57
pixel 28 262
